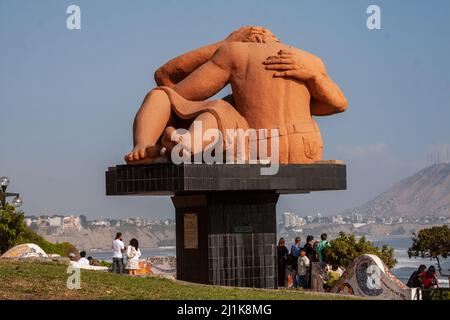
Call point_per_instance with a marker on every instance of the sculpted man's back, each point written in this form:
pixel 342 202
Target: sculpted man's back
pixel 264 100
pixel 269 99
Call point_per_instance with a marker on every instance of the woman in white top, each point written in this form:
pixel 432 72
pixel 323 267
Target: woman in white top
pixel 133 254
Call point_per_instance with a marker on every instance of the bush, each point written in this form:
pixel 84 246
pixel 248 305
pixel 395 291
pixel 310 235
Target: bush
pixel 345 249
pixel 11 227
pixel 104 263
pixel 13 232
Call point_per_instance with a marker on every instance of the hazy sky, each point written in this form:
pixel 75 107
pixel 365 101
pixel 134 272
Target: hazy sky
pixel 68 97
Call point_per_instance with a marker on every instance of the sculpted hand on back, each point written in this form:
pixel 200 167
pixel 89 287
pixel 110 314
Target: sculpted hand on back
pixel 273 86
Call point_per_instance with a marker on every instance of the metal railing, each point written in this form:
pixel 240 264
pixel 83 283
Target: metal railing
pixel 433 294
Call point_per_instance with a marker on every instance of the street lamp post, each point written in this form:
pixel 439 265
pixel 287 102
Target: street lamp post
pixel 16 202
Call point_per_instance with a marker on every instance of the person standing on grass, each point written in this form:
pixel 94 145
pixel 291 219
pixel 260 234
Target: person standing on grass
pixel 303 265
pixel 321 246
pixel 118 248
pixel 295 252
pixel 282 257
pixel 93 262
pixel 133 255
pixel 310 253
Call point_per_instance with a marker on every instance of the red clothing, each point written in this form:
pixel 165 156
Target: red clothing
pixel 428 280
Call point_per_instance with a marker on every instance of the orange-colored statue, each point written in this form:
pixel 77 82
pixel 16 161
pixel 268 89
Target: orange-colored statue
pixel 274 86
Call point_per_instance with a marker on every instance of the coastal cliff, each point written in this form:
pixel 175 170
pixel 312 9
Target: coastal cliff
pixel 99 238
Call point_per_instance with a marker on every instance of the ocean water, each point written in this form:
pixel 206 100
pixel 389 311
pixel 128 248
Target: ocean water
pixel 153 252
pixel 404 268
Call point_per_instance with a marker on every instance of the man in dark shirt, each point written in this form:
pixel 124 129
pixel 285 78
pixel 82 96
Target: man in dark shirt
pixel 311 254
pixel 414 281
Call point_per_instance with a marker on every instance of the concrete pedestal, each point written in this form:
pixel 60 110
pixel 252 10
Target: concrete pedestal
pixel 225 214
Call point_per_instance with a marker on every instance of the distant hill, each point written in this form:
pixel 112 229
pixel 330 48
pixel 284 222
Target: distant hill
pixel 426 193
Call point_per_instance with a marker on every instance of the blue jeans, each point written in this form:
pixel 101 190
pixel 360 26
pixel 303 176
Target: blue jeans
pixel 117 266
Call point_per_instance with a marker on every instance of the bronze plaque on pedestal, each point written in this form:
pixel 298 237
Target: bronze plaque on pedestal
pixel 190 231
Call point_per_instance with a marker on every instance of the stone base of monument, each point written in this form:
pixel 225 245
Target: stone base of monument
pixel 225 214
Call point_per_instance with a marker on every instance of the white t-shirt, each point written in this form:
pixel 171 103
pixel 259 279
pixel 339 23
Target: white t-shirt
pixel 303 264
pixel 117 247
pixel 83 262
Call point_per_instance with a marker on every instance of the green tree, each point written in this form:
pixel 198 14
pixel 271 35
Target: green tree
pixel 11 227
pixel 13 232
pixel 346 248
pixel 431 243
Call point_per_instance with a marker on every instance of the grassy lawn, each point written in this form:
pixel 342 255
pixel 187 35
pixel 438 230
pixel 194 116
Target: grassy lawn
pixel 37 280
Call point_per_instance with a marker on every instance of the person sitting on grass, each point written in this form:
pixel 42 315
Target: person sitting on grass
pixel 83 261
pixel 333 277
pixel 93 262
pixel 133 254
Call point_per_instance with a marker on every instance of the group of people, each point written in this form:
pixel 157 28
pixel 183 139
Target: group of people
pixel 133 253
pixel 298 261
pixel 83 261
pixel 423 278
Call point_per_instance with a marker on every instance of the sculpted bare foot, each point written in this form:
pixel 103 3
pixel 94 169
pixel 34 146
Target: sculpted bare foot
pixel 142 154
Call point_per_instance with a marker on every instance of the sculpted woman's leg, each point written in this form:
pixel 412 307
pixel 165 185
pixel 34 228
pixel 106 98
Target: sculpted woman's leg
pixel 150 122
pixel 195 133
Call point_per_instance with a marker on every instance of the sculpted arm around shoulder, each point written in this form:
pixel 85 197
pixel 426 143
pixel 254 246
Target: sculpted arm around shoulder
pixel 210 78
pixel 327 97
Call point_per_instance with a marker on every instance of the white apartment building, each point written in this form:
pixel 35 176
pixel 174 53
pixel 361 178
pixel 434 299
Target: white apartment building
pixel 72 223
pixel 56 221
